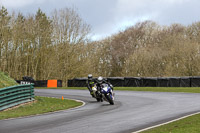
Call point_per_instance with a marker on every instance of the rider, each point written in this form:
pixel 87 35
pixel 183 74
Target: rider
pixel 90 84
pixel 100 81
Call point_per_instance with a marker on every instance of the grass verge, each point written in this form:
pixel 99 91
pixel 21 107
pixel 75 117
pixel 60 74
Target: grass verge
pixel 43 105
pixel 6 81
pixel 162 89
pixel 186 125
pixel 153 89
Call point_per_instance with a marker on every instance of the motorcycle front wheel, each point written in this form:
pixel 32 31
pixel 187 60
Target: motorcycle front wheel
pixel 109 98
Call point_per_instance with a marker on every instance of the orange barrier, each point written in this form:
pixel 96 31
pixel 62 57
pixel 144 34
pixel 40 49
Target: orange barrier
pixel 52 83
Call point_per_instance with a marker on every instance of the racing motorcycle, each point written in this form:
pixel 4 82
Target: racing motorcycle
pixel 96 93
pixel 105 94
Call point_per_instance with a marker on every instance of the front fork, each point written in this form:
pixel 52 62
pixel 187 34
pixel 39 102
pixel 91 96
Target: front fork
pixel 112 94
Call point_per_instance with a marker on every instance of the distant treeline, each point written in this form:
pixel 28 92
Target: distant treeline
pixel 59 47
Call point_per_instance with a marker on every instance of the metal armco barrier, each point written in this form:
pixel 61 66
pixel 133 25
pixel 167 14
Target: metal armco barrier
pixel 15 95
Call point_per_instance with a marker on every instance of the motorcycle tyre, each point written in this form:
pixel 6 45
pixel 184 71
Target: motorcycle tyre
pixel 110 100
pixel 98 99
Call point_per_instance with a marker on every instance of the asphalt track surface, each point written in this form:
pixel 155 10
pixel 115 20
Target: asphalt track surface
pixel 132 111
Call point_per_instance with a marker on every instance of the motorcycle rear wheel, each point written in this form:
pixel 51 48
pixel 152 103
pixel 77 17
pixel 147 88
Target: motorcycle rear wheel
pixel 98 99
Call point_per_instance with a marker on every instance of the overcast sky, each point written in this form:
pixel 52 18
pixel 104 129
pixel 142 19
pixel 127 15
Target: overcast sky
pixel 107 17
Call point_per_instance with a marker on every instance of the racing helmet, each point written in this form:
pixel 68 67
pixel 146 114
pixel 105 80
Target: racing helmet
pixel 100 80
pixel 90 77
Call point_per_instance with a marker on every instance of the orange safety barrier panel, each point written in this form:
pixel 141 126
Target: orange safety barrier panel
pixel 52 83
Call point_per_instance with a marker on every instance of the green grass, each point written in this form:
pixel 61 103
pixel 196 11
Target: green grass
pixel 162 89
pixel 6 81
pixel 153 89
pixel 43 105
pixel 187 125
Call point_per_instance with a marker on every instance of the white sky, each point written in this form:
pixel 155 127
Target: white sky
pixel 110 16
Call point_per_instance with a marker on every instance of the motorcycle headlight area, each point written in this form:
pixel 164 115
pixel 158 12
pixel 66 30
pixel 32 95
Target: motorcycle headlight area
pixel 105 89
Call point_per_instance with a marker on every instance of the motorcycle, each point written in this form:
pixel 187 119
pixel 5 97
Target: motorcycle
pixel 107 93
pixel 96 93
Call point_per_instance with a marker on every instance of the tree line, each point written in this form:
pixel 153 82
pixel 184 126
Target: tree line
pixel 59 47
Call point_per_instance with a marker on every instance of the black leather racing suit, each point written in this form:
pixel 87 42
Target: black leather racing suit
pixel 90 84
